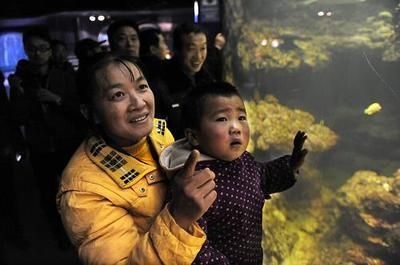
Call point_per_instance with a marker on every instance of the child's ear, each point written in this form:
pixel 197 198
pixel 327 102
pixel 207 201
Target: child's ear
pixel 191 136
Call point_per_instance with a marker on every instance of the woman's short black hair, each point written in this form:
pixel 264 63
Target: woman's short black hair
pixel 97 62
pixel 193 103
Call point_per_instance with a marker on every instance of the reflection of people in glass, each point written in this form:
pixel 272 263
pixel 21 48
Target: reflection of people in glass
pixel 216 124
pixel 112 196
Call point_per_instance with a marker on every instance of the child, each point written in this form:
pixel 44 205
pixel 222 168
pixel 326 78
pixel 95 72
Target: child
pixel 216 124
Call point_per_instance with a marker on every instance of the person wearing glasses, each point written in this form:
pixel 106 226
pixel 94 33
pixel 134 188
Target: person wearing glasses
pixel 45 104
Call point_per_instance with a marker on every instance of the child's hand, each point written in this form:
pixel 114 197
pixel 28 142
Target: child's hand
pixel 298 153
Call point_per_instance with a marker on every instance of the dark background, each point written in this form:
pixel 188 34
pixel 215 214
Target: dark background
pixel 67 21
pixel 31 8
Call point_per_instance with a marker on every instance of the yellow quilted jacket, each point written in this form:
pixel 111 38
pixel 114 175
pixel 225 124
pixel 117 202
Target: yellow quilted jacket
pixel 123 220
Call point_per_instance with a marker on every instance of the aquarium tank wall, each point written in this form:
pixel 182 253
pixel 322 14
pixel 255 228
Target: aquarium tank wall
pixel 332 69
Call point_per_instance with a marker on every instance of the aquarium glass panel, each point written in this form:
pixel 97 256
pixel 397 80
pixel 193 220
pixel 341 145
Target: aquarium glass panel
pixel 329 68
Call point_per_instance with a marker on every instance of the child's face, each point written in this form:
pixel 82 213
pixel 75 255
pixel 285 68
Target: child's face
pixel 224 131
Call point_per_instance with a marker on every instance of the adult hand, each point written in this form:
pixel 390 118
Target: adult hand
pixel 45 95
pixel 192 192
pixel 298 153
pixel 16 83
pixel 219 41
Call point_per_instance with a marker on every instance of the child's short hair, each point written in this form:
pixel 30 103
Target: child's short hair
pixel 193 103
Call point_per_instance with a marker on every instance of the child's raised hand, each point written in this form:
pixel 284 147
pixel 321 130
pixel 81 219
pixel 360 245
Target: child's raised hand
pixel 298 153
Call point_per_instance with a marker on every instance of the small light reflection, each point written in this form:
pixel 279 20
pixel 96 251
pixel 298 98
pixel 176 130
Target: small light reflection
pixel 18 157
pixel 275 43
pixel 92 18
pixel 196 12
pixel 321 13
pixel 100 18
pixel 264 42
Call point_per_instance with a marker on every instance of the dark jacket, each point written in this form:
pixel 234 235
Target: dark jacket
pixel 48 126
pixel 11 140
pixel 171 90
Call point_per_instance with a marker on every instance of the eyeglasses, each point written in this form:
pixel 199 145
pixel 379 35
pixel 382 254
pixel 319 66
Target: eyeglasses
pixel 41 49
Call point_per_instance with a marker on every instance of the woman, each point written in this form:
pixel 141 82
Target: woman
pixel 112 196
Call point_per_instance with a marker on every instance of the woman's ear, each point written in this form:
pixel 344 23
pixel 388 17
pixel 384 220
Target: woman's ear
pixel 191 136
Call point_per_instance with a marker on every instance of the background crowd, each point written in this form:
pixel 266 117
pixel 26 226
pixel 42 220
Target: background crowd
pixel 44 119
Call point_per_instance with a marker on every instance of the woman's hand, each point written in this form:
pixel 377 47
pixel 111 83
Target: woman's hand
pixel 192 192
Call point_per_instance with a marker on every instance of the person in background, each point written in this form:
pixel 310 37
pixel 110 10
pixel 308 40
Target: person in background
pixel 153 44
pixel 113 196
pixel 183 72
pixel 85 51
pixel 123 37
pixel 87 48
pixel 153 52
pixel 11 152
pixel 216 124
pixel 215 59
pixel 60 55
pixel 45 104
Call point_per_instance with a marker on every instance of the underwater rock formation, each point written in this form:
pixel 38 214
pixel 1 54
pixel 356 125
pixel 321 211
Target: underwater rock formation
pixel 273 124
pixel 357 224
pixel 370 213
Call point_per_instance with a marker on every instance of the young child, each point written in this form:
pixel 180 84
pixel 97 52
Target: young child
pixel 216 124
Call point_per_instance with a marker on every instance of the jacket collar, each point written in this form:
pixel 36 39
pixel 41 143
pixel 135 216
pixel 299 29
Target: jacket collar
pixel 175 155
pixel 124 169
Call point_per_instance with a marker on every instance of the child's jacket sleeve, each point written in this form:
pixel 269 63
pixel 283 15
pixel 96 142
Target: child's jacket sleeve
pixel 278 175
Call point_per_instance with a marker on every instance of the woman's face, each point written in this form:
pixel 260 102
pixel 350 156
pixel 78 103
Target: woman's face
pixel 123 103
